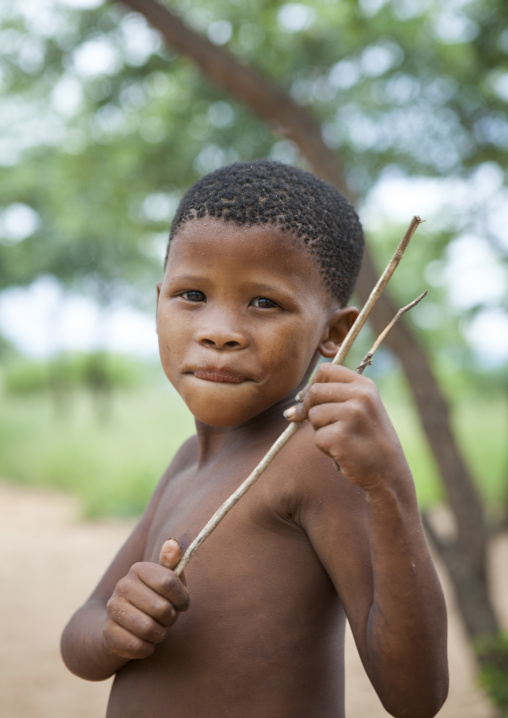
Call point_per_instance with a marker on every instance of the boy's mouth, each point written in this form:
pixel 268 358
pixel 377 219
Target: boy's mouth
pixel 211 373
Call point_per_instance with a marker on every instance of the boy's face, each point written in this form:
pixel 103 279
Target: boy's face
pixel 242 313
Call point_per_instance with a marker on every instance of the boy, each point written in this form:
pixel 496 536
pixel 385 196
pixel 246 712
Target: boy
pixel 261 262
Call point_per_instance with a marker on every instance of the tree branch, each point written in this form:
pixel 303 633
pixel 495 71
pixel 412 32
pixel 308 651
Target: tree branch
pixel 377 291
pixel 265 99
pixel 367 359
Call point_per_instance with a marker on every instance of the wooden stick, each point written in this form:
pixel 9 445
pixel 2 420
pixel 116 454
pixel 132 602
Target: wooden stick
pixel 376 292
pixel 293 427
pixel 367 359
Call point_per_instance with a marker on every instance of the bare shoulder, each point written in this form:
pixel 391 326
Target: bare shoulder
pixel 316 483
pixel 184 457
pixel 331 511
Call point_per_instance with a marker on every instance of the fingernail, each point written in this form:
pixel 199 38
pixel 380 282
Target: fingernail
pixel 172 538
pixel 299 396
pixel 290 413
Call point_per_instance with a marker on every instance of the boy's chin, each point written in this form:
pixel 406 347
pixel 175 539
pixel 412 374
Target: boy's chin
pixel 222 415
pixel 231 405
pixel 222 418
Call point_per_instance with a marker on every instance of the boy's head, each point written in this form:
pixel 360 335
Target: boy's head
pixel 266 192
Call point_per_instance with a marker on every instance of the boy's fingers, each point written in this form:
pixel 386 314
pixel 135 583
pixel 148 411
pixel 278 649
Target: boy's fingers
pixel 296 413
pixel 138 623
pixel 326 374
pixel 123 643
pixel 149 602
pixel 334 373
pixel 169 557
pixel 317 394
pixel 170 554
pixel 324 415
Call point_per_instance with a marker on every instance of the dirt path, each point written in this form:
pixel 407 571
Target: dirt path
pixel 50 561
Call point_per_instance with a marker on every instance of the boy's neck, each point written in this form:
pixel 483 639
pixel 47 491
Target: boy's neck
pixel 264 429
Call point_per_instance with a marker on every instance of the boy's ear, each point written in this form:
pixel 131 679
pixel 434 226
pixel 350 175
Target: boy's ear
pixel 338 325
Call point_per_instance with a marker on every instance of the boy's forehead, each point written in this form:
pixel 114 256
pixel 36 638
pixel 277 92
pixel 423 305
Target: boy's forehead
pixel 215 229
pixel 248 240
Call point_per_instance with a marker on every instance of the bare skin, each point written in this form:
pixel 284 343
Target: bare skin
pixel 242 318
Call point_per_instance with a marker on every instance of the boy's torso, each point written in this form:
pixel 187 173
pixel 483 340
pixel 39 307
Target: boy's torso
pixel 264 634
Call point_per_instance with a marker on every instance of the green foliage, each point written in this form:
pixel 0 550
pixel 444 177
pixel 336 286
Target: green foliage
pixel 7 350
pixel 95 372
pixel 492 653
pixel 113 466
pixel 26 378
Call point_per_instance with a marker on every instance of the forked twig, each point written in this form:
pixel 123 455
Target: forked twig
pixel 367 359
pixel 292 428
pixel 376 292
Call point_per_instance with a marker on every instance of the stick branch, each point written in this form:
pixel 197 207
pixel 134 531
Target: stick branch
pixel 292 428
pixel 376 292
pixel 367 359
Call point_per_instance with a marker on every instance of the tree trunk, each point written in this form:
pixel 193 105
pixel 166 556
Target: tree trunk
pixel 465 557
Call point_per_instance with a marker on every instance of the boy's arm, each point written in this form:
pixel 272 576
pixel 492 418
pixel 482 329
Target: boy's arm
pixel 132 606
pixel 365 526
pixel 84 648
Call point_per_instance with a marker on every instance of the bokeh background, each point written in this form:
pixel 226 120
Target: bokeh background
pixel 106 119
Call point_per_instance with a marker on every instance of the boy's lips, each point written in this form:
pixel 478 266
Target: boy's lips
pixel 211 373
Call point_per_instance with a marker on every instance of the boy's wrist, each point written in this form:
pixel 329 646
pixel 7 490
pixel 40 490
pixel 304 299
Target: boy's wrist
pixel 397 486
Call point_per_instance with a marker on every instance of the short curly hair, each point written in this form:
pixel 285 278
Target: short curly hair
pixel 297 202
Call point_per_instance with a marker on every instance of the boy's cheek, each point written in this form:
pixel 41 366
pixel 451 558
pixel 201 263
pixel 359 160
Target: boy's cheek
pixel 167 362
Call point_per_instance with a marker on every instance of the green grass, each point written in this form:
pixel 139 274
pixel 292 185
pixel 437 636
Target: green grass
pixel 110 456
pixel 113 458
pixel 483 428
pixel 480 422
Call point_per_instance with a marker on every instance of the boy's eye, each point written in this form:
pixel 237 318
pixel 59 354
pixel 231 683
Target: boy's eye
pixel 264 303
pixel 193 296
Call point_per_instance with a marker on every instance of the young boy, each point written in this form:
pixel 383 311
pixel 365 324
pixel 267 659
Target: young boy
pixel 261 262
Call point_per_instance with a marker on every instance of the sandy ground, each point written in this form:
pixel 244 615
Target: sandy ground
pixel 50 561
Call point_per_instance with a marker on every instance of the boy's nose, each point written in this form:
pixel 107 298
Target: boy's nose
pixel 220 336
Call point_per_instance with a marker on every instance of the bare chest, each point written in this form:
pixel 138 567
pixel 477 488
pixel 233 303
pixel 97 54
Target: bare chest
pixel 259 533
pixel 262 609
pixel 191 498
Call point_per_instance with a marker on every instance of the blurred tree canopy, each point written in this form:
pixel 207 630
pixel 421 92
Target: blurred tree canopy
pixel 102 128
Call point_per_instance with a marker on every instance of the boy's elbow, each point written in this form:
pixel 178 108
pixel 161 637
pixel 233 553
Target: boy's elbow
pixel 424 709
pixel 79 656
pixel 439 695
pixel 418 704
pixel 86 670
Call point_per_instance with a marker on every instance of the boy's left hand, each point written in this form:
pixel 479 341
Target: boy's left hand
pixel 351 425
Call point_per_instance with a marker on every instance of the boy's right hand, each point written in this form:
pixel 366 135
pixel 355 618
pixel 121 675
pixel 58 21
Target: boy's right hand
pixel 144 604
